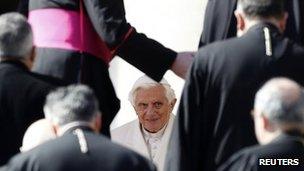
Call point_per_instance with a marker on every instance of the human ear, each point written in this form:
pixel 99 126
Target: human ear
pixel 98 123
pixel 240 20
pixel 282 22
pixel 267 125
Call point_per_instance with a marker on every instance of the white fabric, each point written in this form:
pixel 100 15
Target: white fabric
pixel 153 140
pixel 131 136
pixel 37 133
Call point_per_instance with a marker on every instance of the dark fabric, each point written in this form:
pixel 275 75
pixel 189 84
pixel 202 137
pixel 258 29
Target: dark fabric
pixel 283 147
pixel 20 6
pixel 22 95
pixel 108 19
pixel 214 118
pixel 23 7
pixel 220 22
pixel 66 64
pixel 147 55
pixel 63 154
pixel 8 6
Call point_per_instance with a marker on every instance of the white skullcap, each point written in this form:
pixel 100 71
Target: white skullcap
pixel 36 134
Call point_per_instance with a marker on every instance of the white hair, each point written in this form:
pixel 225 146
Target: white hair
pixel 16 36
pixel 146 82
pixel 71 104
pixel 281 100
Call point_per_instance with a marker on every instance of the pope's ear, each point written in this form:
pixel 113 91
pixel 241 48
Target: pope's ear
pixel 173 103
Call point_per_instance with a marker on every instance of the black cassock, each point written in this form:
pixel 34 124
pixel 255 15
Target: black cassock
pixel 214 118
pixel 286 146
pixel 220 23
pixel 79 149
pixel 22 96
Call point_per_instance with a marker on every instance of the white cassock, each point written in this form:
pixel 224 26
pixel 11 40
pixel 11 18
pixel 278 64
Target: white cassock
pixel 151 145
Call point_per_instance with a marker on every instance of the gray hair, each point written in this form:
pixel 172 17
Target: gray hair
pixel 145 82
pixel 70 104
pixel 16 36
pixel 262 8
pixel 281 100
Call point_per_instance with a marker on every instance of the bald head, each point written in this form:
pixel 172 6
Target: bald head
pixel 278 108
pixel 281 100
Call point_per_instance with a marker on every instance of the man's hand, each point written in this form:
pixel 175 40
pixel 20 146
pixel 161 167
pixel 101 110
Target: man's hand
pixel 182 63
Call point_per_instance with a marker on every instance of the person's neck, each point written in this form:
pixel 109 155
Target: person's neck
pixel 253 22
pixel 270 136
pixel 25 62
pixel 293 129
pixel 65 128
pixel 158 133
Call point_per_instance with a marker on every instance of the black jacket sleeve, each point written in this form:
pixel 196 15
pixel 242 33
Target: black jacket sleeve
pixel 108 19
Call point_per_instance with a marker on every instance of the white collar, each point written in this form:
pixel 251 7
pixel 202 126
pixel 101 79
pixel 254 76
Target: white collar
pixel 68 126
pixel 158 134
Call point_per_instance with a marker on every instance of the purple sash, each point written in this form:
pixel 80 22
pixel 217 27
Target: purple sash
pixel 65 29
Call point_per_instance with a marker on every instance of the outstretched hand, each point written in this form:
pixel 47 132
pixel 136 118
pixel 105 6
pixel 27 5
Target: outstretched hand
pixel 182 63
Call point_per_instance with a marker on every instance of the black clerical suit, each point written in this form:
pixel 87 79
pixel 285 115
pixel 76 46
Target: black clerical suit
pixel 290 148
pixel 22 95
pixel 213 118
pixel 108 20
pixel 65 154
pixel 220 22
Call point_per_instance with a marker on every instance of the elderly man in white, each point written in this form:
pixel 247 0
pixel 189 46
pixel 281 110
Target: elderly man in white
pixel 149 134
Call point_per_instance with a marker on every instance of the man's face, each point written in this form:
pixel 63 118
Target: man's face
pixel 152 107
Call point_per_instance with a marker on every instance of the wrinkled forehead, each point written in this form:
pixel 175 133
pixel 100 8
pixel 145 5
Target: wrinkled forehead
pixel 150 94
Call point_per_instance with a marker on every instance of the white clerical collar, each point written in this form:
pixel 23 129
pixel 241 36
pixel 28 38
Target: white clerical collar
pixel 68 126
pixel 158 134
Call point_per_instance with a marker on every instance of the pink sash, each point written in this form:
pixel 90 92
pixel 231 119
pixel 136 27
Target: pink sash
pixel 65 29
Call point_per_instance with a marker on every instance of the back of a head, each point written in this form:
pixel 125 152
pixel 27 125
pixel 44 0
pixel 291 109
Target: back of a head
pixel 262 8
pixel 281 100
pixel 75 103
pixel 16 37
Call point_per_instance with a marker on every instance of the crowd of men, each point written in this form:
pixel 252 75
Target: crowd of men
pixel 243 88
